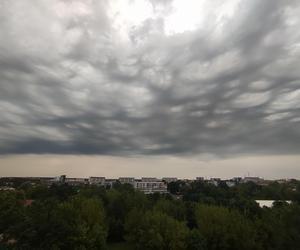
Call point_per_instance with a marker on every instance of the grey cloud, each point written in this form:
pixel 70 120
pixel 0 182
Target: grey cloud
pixel 74 81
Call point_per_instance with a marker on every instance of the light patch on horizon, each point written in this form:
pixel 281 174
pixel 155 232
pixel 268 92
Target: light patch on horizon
pixel 269 167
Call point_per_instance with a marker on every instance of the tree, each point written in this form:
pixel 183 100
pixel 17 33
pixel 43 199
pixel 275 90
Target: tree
pixel 195 240
pixel 120 201
pixel 224 229
pixel 154 230
pixel 11 215
pixel 279 227
pixel 75 224
pixel 174 209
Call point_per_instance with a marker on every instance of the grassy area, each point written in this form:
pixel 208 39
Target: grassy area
pixel 119 246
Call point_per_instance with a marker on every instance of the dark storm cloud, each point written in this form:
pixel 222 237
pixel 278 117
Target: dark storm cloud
pixel 77 78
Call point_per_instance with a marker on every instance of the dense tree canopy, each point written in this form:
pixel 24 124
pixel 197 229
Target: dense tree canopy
pixel 196 215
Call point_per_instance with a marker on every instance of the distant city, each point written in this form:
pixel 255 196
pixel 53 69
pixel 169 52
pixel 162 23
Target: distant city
pixel 147 185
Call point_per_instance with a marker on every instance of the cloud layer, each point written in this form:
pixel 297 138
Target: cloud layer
pixel 150 77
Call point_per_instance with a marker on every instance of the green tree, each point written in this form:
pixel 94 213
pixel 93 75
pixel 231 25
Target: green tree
pixel 172 208
pixel 224 229
pixel 12 213
pixel 279 227
pixel 195 240
pixel 120 200
pixel 75 224
pixel 154 230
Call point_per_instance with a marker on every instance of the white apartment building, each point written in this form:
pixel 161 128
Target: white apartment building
pixel 149 179
pixel 76 181
pixel 127 180
pixel 151 185
pixel 230 183
pixel 97 180
pixel 252 179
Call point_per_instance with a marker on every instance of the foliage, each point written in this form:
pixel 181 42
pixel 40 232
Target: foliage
pixel 155 230
pixel 207 217
pixel 224 228
pixel 49 224
pixel 195 240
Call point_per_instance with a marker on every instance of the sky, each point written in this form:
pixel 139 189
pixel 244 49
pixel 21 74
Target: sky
pixel 150 87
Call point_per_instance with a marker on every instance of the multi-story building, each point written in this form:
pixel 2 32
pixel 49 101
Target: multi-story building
pixel 214 181
pixel 149 179
pixel 97 180
pixel 151 185
pixel 282 181
pixel 4 188
pixel 60 179
pixel 110 182
pixel 237 179
pixel 56 180
pixel 76 181
pixel 230 183
pixel 252 179
pixel 127 180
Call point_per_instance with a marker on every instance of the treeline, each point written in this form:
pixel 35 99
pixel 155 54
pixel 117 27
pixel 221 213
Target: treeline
pixel 199 190
pixel 91 217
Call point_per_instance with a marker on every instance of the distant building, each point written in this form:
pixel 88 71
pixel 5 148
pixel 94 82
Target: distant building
pixel 149 179
pixel 252 179
pixel 237 179
pixel 76 181
pixel 97 181
pixel 151 185
pixel 60 179
pixel 214 181
pixel 283 181
pixel 169 179
pixel 199 178
pixel 270 203
pixel 5 188
pixel 230 183
pixel 127 180
pixel 110 182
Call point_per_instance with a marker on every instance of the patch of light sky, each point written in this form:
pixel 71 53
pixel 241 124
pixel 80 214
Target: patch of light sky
pixel 182 17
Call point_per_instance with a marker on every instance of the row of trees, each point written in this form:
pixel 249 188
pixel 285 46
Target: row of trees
pixel 65 217
pixel 199 190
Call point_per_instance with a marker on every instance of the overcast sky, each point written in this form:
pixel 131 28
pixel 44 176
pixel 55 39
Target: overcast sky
pixel 198 82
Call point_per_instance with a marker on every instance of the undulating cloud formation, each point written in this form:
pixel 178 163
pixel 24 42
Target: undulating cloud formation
pixel 150 77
